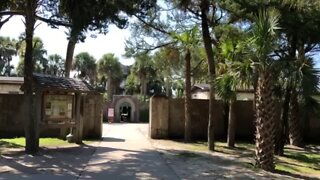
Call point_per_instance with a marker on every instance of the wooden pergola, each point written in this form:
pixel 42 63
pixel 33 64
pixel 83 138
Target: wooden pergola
pixel 58 102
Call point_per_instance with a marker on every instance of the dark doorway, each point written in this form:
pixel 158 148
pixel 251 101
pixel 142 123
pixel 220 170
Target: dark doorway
pixel 125 112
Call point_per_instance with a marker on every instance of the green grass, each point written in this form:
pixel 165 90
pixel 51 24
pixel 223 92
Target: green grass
pixel 299 162
pixel 20 142
pixel 295 161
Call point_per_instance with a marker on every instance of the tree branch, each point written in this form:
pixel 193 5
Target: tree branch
pixel 7 19
pixel 54 22
pixel 152 26
pixel 197 66
pixel 196 13
pixel 11 13
pixel 310 47
pixel 156 47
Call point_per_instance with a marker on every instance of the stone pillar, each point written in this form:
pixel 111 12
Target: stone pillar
pixel 98 116
pixel 159 118
pixel 79 120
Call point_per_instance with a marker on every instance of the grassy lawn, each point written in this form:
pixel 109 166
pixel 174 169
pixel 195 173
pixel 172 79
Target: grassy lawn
pixel 295 161
pixel 13 143
pixel 20 142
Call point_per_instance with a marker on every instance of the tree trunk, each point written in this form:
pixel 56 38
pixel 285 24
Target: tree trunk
pixel 109 89
pixel 187 112
pixel 265 123
pixel 295 136
pixel 282 126
pixel 31 124
pixel 70 51
pixel 143 87
pixel 168 88
pixel 211 71
pixel 231 124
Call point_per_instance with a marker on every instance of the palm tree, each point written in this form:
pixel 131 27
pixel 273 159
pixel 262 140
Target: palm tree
pixel 143 68
pixel 187 41
pixel 167 61
pixel 225 88
pixel 305 81
pixel 55 65
pixel 263 41
pixel 7 50
pixel 40 61
pixel 234 72
pixel 110 66
pixel 86 66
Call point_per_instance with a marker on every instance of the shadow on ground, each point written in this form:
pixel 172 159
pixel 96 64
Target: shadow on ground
pixel 207 166
pixel 74 163
pixel 66 161
pixel 111 139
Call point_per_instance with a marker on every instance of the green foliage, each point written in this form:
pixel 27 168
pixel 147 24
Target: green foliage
pixel 264 36
pixel 98 15
pixel 144 70
pixel 7 50
pixel 85 65
pixel 235 67
pixel 110 67
pixel 55 65
pixel 39 53
pixel 178 86
pixel 226 87
pixel 132 84
pixel 20 142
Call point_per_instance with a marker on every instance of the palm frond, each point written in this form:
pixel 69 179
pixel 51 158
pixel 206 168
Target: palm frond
pixel 226 86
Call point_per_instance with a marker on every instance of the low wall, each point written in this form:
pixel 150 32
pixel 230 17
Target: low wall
pixel 167 120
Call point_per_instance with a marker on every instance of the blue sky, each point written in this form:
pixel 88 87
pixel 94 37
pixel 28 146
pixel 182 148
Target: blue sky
pixel 55 40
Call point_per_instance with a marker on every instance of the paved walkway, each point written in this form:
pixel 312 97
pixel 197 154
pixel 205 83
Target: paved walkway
pixel 125 153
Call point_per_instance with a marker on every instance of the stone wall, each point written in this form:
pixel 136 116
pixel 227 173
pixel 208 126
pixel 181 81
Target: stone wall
pixel 92 116
pixel 11 107
pixel 159 116
pixel 167 120
pixel 11 117
pixel 199 118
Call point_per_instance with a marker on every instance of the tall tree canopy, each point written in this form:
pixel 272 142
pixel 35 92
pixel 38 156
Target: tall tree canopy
pixel 86 67
pixel 7 51
pixel 110 67
pixel 97 16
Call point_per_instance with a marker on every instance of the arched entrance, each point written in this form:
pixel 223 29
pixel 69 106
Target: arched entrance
pixel 126 109
pixel 125 112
